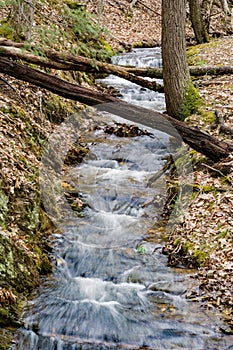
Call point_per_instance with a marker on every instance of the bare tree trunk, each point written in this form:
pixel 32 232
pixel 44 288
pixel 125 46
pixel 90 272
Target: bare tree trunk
pixel 23 17
pixel 225 6
pixel 207 6
pixel 181 97
pixel 200 31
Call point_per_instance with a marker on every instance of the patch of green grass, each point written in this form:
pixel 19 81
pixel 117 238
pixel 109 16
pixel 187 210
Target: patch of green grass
pixel 224 233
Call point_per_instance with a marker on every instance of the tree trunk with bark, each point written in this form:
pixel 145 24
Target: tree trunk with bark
pixel 22 18
pixel 198 140
pixel 182 99
pixel 198 25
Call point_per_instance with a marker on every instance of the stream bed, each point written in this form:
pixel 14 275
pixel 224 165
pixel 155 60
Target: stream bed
pixel 111 287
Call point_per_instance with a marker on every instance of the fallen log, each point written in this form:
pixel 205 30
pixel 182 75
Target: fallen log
pixel 210 70
pixel 62 61
pixel 194 71
pixel 194 137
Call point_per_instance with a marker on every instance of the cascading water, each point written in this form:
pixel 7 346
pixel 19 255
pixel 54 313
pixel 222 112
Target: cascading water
pixel 111 288
pixel 131 92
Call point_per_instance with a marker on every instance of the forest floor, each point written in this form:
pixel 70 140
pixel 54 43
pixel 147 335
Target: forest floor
pixel 202 236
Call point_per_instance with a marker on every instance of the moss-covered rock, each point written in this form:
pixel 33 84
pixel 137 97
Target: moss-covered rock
pixel 181 252
pixel 17 266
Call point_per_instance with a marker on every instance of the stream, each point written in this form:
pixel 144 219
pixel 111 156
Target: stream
pixel 111 287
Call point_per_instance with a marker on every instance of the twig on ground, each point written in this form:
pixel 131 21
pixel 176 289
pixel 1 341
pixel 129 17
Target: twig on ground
pixel 219 172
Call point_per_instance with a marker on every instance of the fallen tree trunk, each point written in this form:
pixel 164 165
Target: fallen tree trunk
pixel 198 140
pixel 194 71
pixel 62 61
pixel 210 70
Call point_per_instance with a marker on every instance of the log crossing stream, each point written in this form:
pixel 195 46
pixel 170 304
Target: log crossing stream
pixel 111 287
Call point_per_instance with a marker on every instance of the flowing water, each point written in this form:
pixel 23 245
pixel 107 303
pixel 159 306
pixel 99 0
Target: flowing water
pixel 111 287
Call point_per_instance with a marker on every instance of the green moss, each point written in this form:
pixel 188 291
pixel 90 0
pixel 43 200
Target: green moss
pixel 107 47
pixel 195 257
pixel 191 102
pixel 56 110
pixel 176 242
pixel 17 267
pixel 200 257
pixel 26 211
pixel 74 5
pixel 46 266
pixel 4 316
pixel 6 30
pixel 208 117
pixel 43 263
pixel 154 72
pixel 209 189
pixel 182 161
pixel 6 338
pixel 194 52
pixel 3 208
pixel 225 180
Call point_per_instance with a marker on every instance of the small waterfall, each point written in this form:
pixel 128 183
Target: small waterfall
pixel 131 92
pixel 148 57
